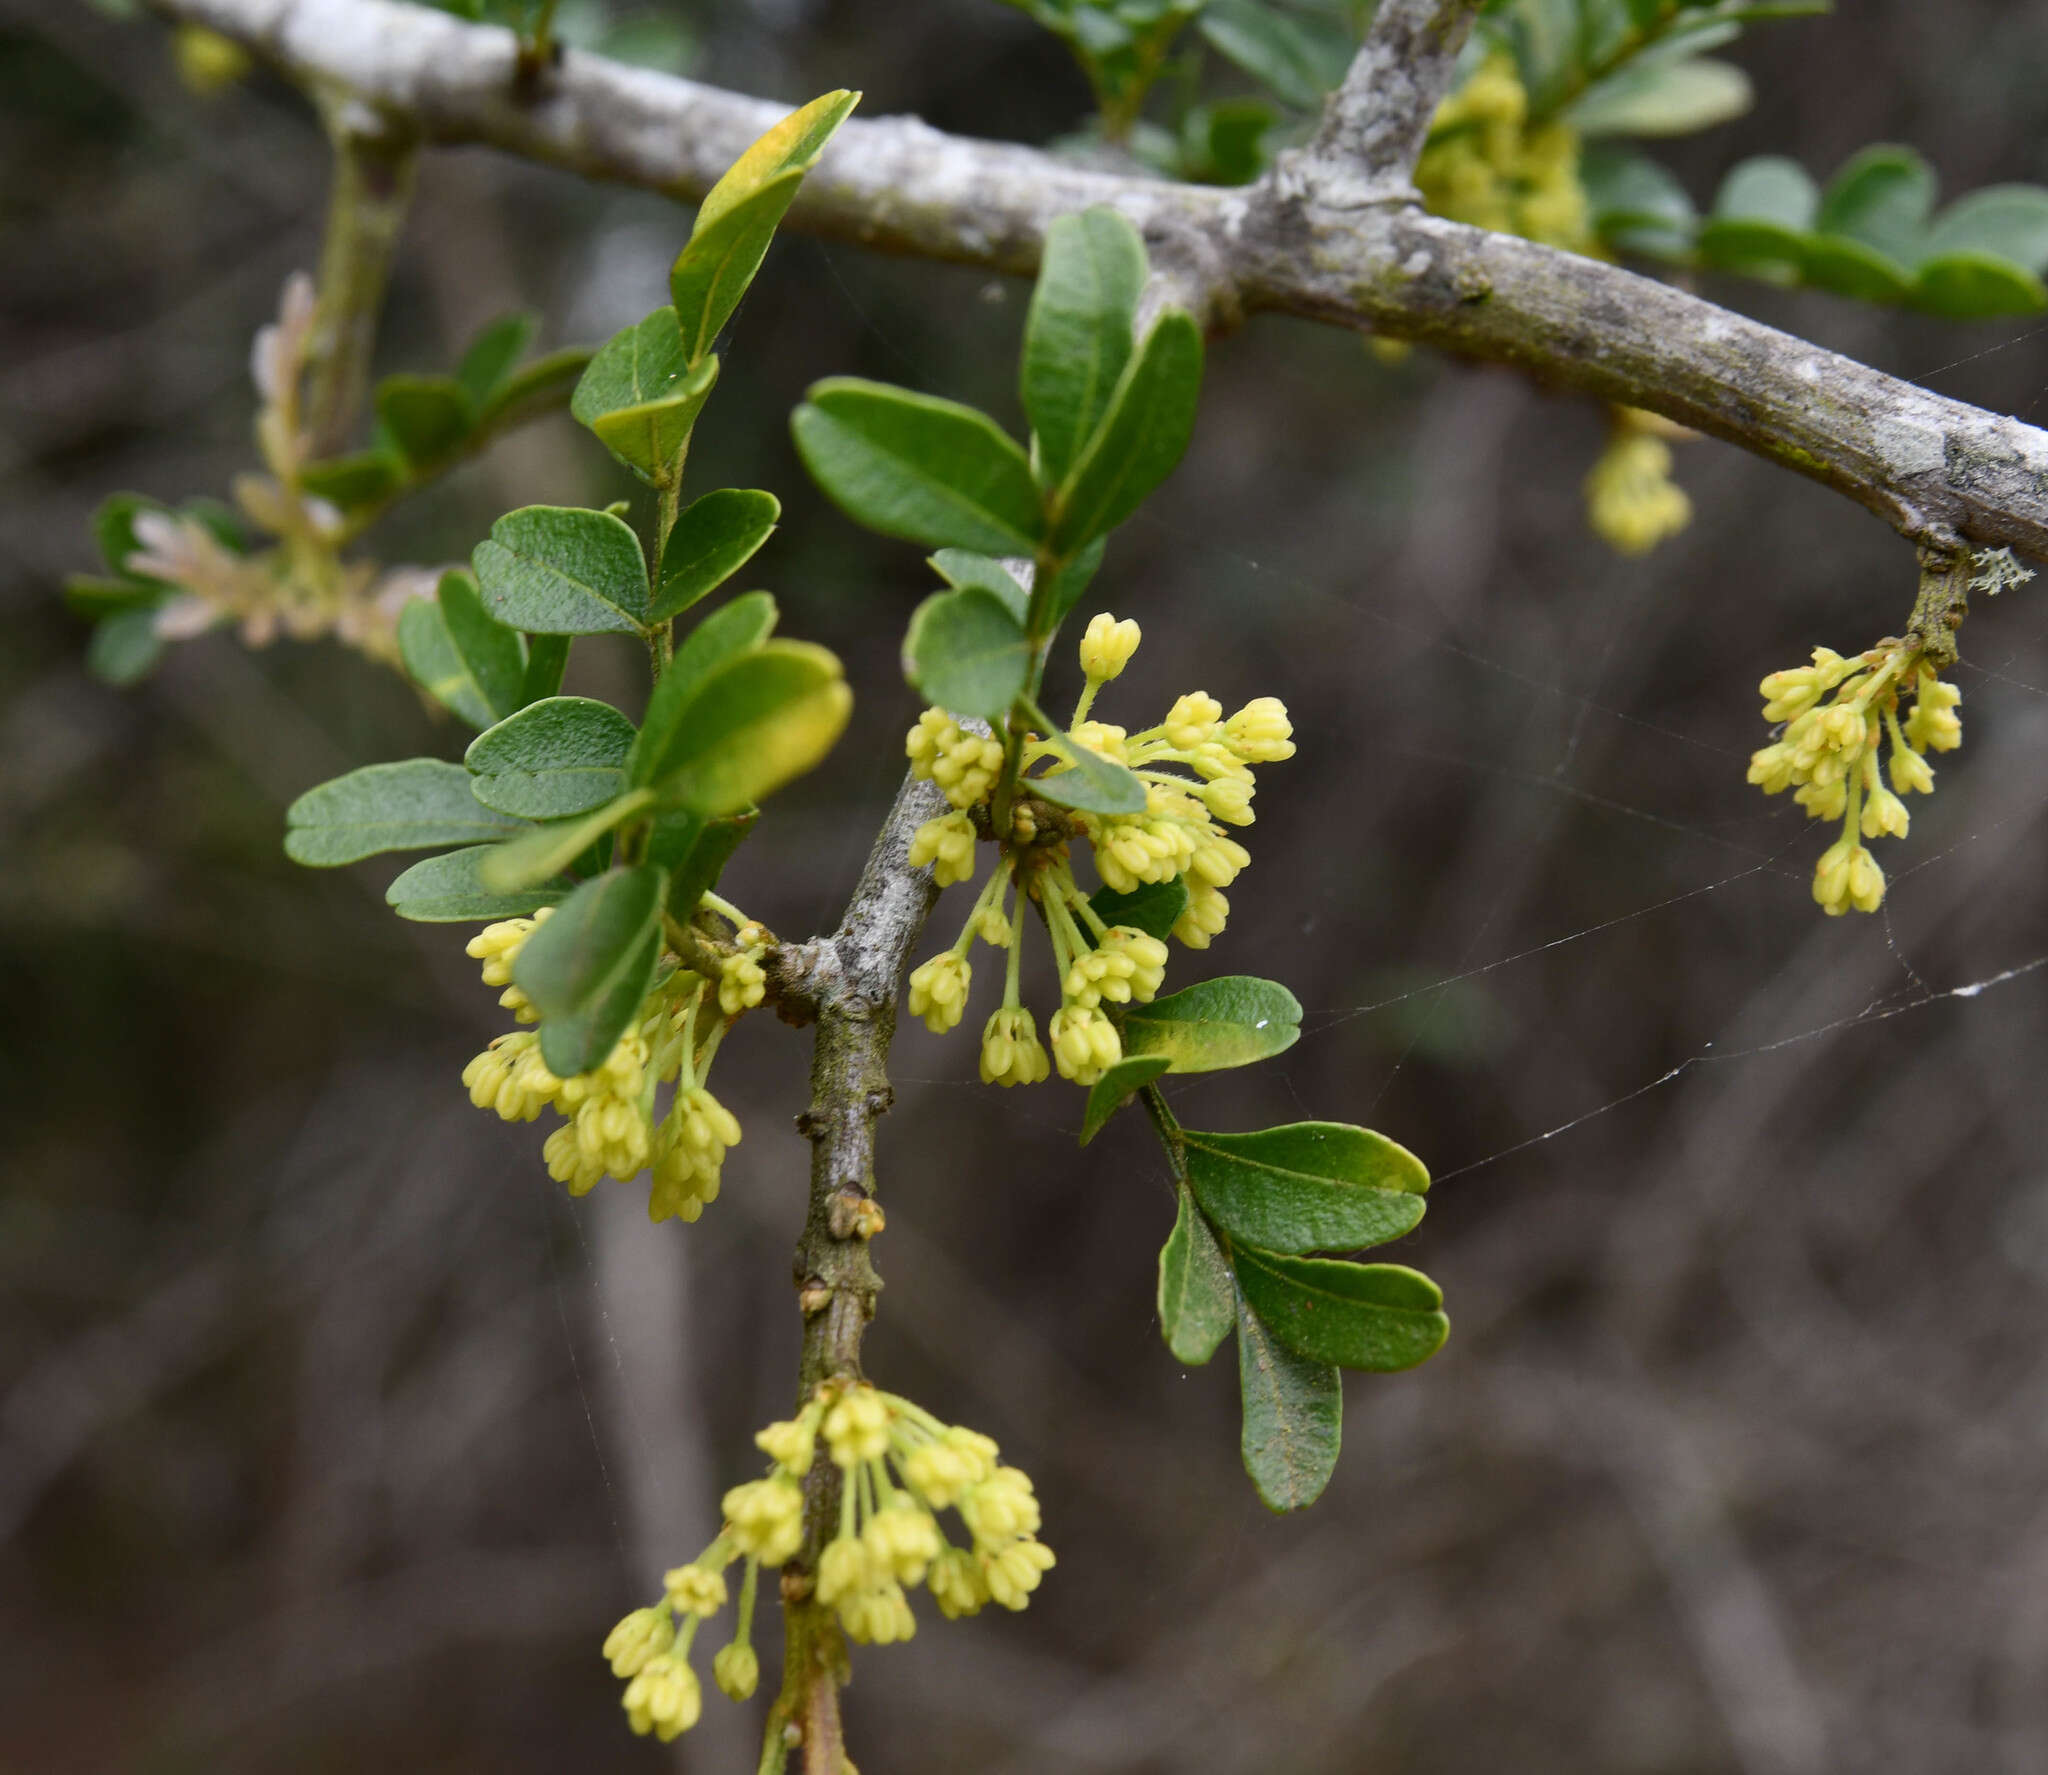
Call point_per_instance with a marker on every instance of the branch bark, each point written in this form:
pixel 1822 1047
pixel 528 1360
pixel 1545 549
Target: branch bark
pixel 1375 124
pixel 1296 243
pixel 847 983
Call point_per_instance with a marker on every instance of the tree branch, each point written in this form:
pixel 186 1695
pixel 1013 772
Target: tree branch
pixel 847 982
pixel 1936 469
pixel 1375 124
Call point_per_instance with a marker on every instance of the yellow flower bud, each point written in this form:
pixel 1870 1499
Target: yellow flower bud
pixel 694 1590
pixel 644 1634
pixel 1107 646
pixel 737 1671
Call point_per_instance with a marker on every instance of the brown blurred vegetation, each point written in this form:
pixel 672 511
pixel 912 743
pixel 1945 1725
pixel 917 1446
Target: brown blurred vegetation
pixel 333 1437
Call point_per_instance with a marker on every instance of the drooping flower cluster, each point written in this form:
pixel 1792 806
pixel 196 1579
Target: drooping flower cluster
pixel 898 1468
pixel 611 1125
pixel 1196 769
pixel 1485 165
pixel 300 586
pixel 1838 713
pixel 1631 500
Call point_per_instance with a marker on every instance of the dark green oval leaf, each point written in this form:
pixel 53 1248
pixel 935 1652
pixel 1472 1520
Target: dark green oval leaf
pixel 1881 198
pixel 1977 286
pixel 461 655
pixel 1141 438
pixel 712 540
pixel 915 466
pixel 1152 907
pixel 544 386
pixel 491 355
pixel 719 261
pixel 1197 1304
pixel 641 394
pixel 450 890
pixel 961 568
pixel 1230 1021
pixel 561 570
pixel 1093 784
pixel 1293 1416
pixel 1115 1088
pixel 967 653
pixel 1078 333
pixel 352 482
pixel 1307 1186
pixel 2007 221
pixel 426 417
pixel 1849 268
pixel 589 966
pixel 562 756
pixel 534 856
pixel 414 805
pixel 1377 1316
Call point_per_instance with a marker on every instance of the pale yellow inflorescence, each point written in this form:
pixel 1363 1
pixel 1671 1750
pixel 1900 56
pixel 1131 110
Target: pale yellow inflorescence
pixel 1631 500
pixel 1838 713
pixel 1196 768
pixel 611 1125
pixel 898 1467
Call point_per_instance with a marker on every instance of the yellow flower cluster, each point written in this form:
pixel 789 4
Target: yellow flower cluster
pixel 611 1127
pixel 1838 713
pixel 1631 500
pixel 898 1467
pixel 1196 769
pixel 1485 165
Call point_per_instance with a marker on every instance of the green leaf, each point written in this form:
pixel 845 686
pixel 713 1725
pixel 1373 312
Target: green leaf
pixel 966 652
pixel 1074 576
pixel 961 568
pixel 792 145
pixel 534 856
pixel 712 540
pixel 1663 98
pixel 1093 784
pixel 720 259
pixel 113 528
pixel 426 417
pixel 1271 48
pixel 415 805
pixel 1977 286
pixel 352 482
pixel 1152 907
pixel 915 466
pixel 1881 199
pixel 1197 1304
pixel 563 756
pixel 1307 1186
pixel 450 889
pixel 695 852
pixel 641 395
pixel 1761 215
pixel 547 657
pixel 491 355
pixel 124 646
pixel 1141 438
pixel 1293 1416
pixel 1117 1085
pixel 590 965
pixel 735 628
pixel 1220 1023
pixel 96 595
pixel 561 570
pixel 1377 1316
pixel 747 727
pixel 1078 332
pixel 1225 143
pixel 1849 268
pixel 1637 205
pixel 543 386
pixel 2007 221
pixel 741 626
pixel 461 655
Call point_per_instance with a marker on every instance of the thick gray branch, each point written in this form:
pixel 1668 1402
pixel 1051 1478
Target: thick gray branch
pixel 1375 123
pixel 1935 468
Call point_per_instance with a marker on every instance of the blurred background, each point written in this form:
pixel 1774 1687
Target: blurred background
pixel 333 1436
